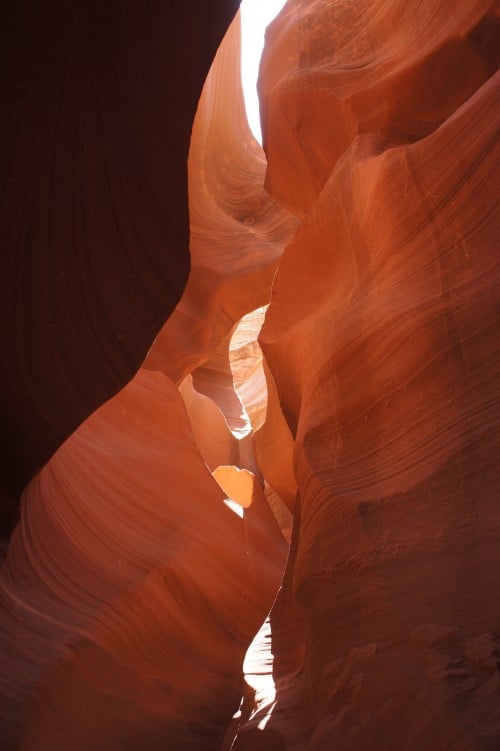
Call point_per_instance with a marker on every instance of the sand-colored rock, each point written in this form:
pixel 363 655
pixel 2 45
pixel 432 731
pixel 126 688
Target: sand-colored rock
pixel 239 485
pixel 217 445
pixel 245 357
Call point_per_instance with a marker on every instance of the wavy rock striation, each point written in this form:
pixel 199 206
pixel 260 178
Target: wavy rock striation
pixel 146 597
pixel 130 589
pixel 98 102
pixel 134 583
pixel 381 133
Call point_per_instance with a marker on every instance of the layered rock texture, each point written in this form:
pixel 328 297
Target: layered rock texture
pixel 285 540
pixel 98 101
pixel 381 133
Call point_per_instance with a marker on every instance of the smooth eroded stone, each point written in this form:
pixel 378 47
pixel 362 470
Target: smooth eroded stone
pixel 98 101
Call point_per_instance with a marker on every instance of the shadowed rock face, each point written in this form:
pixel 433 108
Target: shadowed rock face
pixel 142 583
pixel 98 101
pixel 133 583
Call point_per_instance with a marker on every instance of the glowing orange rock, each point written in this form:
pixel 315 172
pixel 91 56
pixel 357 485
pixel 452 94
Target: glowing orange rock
pixel 333 71
pixel 381 337
pixel 130 590
pixel 239 484
pixel 237 230
pixel 126 569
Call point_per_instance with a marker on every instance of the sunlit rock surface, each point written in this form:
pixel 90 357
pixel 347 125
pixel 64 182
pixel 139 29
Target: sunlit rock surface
pixel 134 583
pixel 237 230
pixel 334 70
pixel 130 589
pixel 146 597
pixel 381 132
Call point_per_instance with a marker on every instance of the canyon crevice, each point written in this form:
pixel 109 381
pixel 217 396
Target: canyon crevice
pixel 250 395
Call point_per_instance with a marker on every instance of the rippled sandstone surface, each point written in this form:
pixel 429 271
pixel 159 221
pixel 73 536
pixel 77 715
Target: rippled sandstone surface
pixel 144 593
pixel 133 583
pixel 381 133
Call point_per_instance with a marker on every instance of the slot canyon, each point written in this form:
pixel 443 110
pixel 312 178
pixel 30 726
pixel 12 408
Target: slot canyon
pixel 250 404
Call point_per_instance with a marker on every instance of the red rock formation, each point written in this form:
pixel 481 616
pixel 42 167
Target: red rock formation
pixel 152 543
pixel 334 70
pixel 237 230
pixel 382 339
pixel 140 588
pixel 98 101
pixel 131 588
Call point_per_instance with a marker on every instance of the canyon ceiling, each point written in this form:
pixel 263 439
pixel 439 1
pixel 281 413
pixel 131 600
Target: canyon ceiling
pixel 250 413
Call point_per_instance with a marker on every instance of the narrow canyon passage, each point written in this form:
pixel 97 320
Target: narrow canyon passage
pixel 258 505
pixel 150 548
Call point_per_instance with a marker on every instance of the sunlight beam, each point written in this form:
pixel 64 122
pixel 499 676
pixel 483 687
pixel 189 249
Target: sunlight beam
pixel 255 16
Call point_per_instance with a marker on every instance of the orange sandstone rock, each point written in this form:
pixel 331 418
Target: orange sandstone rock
pixel 130 591
pixel 129 588
pixel 133 585
pixel 237 230
pixel 381 337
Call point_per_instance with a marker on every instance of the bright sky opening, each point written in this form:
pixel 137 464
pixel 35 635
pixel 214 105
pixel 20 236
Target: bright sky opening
pixel 255 16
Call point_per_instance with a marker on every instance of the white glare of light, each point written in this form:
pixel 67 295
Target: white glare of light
pixel 235 507
pixel 255 16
